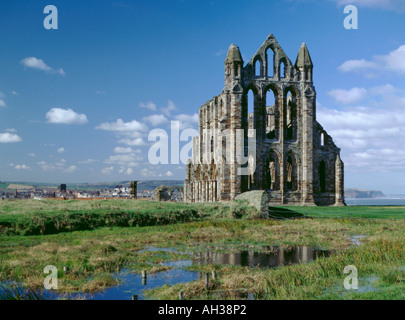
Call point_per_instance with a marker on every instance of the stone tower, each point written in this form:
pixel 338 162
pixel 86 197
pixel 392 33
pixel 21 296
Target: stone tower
pixel 270 142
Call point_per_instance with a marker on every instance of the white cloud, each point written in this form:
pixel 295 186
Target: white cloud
pixel 88 161
pixel 14 93
pixel 63 116
pixel 39 64
pixel 156 119
pixel 60 166
pixel 391 5
pixel 107 170
pixel 170 107
pixel 121 126
pixel 125 160
pixel 187 121
pixel 348 96
pixel 21 167
pixel 127 171
pixel 137 142
pixel 150 105
pixel 169 173
pixel 61 150
pixel 9 138
pixel 393 62
pixel 361 64
pixel 371 139
pixel 148 173
pixel 123 150
pixel 70 169
pixel 32 154
pixel 2 102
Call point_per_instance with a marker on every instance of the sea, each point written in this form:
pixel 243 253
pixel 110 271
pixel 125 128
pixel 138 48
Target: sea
pixel 394 200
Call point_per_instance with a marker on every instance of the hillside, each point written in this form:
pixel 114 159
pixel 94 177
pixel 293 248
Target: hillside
pixel 358 193
pixel 142 185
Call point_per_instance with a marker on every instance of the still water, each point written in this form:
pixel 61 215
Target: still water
pixel 273 257
pixel 397 201
pixel 133 284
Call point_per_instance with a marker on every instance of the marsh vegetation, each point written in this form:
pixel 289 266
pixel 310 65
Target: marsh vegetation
pixel 90 241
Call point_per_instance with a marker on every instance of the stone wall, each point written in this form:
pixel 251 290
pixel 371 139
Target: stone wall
pixel 292 157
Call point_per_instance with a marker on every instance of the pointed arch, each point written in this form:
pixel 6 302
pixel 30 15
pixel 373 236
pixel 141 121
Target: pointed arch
pixel 249 100
pixel 258 65
pixel 281 69
pixel 290 113
pixel 270 57
pixel 322 176
pixel 272 112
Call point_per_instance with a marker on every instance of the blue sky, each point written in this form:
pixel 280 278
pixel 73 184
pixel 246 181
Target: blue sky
pixel 77 103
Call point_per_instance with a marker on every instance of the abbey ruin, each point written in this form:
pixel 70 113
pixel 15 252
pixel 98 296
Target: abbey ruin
pixel 261 133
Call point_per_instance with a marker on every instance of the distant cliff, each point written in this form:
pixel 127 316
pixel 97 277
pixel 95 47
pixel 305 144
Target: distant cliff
pixel 358 193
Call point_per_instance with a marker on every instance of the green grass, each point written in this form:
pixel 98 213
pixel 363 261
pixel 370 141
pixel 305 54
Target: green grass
pixel 375 212
pixel 320 279
pixel 108 243
pixel 32 217
pixel 17 292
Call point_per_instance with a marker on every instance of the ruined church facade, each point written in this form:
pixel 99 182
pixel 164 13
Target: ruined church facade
pixel 273 103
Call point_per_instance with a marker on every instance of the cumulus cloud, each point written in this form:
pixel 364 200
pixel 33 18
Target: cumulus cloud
pixel 130 133
pixel 65 116
pixel 125 160
pixel 59 166
pixel 156 119
pixel 69 169
pixel 61 150
pixel 107 170
pixel 123 150
pixel 137 142
pixel 127 171
pixel 39 64
pixel 348 96
pixel 88 161
pixel 2 102
pixel 121 126
pixel 169 173
pixel 170 107
pixel 393 62
pixel 372 139
pixel 20 166
pixel 148 173
pixel 187 121
pixel 391 5
pixel 150 105
pixel 8 137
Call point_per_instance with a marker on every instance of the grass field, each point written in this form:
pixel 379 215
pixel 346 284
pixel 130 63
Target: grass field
pixel 95 238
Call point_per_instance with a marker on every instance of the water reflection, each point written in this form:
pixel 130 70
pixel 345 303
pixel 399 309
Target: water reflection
pixel 135 284
pixel 273 257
